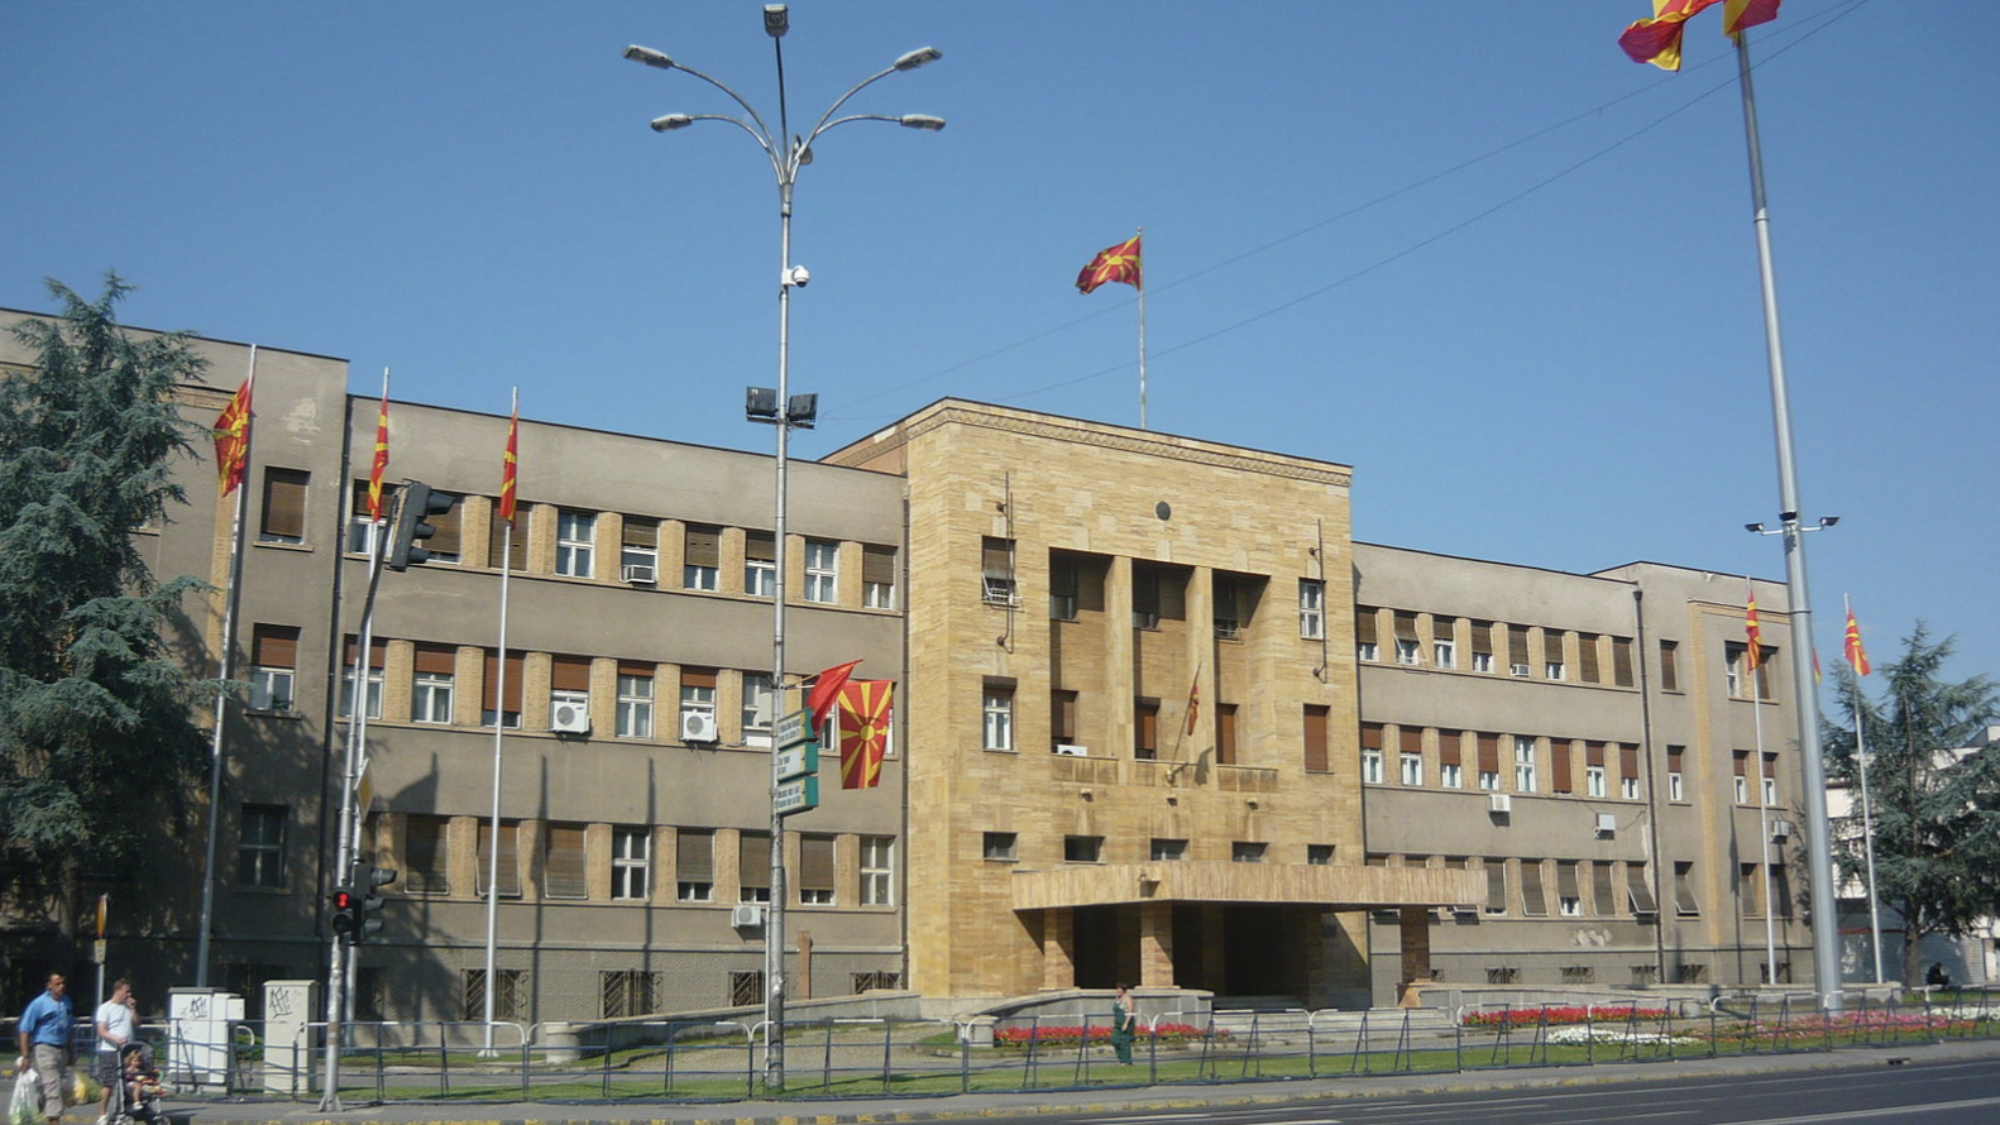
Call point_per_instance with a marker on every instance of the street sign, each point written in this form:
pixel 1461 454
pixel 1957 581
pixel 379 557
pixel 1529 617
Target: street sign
pixel 797 795
pixel 97 952
pixel 793 729
pixel 798 761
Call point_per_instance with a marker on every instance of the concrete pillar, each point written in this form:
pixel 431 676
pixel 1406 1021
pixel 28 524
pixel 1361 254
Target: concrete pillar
pixel 1156 945
pixel 1416 941
pixel 1059 948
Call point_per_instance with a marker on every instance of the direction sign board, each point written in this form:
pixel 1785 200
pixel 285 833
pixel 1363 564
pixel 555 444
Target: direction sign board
pixel 797 795
pixel 793 729
pixel 797 761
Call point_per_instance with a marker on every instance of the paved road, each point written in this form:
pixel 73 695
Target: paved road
pixel 1947 1084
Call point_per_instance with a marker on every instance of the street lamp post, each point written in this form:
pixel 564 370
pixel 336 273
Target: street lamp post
pixel 787 153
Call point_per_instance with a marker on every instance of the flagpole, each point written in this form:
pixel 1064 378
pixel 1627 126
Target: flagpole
pixel 1142 339
pixel 1867 815
pixel 230 603
pixel 499 742
pixel 1756 662
pixel 1826 935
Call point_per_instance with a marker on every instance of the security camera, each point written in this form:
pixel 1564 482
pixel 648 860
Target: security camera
pixel 797 275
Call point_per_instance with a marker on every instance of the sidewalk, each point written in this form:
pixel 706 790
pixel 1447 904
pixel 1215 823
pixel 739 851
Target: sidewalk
pixel 972 1106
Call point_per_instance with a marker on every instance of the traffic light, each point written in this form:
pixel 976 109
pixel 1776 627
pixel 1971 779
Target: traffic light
pixel 346 912
pixel 369 904
pixel 417 504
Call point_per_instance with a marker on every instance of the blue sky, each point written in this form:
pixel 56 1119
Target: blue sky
pixel 1470 250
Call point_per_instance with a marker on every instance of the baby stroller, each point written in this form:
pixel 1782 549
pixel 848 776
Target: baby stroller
pixel 136 1097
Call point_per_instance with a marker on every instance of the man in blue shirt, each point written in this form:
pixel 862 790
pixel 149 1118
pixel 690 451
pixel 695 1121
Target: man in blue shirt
pixel 46 1027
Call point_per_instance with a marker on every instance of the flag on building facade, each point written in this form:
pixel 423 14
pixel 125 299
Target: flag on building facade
pixel 510 465
pixel 381 464
pixel 1658 40
pixel 1116 263
pixel 864 732
pixel 1754 631
pixel 232 440
pixel 1194 702
pixel 826 691
pixel 1856 655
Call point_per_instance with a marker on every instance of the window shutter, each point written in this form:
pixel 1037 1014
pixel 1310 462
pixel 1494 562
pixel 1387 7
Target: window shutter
pixel 760 546
pixel 285 503
pixel 1225 734
pixel 753 865
pixel 1147 712
pixel 694 856
pixel 564 874
pixel 1628 760
pixel 1566 882
pixel 496 538
pixel 1741 763
pixel 1593 753
pixel 1489 753
pixel 1482 637
pixel 437 660
pixel 510 860
pixel 698 677
pixel 570 673
pixel 450 531
pixel 1621 661
pixel 274 646
pixel 1371 736
pixel 1532 899
pixel 377 653
pixel 1517 644
pixel 1676 755
pixel 1642 894
pixel 1496 886
pixel 1600 888
pixel 1552 645
pixel 1412 740
pixel 1315 736
pixel 1669 674
pixel 488 699
pixel 1442 628
pixel 1406 626
pixel 1561 759
pixel 1062 715
pixel 1364 625
pixel 1586 656
pixel 878 565
pixel 424 854
pixel 641 532
pixel 704 545
pixel 1449 750
pixel 815 863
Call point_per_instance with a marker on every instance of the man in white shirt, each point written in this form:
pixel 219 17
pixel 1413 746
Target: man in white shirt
pixel 116 1025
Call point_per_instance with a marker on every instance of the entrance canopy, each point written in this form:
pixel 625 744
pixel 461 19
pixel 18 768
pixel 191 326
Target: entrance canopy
pixel 1327 886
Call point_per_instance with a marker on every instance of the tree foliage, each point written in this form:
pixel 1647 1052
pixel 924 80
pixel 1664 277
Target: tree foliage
pixel 1936 813
pixel 95 727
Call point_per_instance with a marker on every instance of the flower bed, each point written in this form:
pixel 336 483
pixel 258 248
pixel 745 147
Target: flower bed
pixel 1051 1035
pixel 1561 1014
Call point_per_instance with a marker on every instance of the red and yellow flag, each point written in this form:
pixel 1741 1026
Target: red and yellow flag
pixel 826 688
pixel 510 465
pixel 864 732
pixel 381 461
pixel 1194 702
pixel 1856 655
pixel 1116 263
pixel 232 440
pixel 1658 40
pixel 1753 630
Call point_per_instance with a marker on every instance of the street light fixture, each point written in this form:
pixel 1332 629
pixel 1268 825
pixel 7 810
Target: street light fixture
pixel 785 412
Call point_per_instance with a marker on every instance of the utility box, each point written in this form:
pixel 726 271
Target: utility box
pixel 288 1014
pixel 199 1022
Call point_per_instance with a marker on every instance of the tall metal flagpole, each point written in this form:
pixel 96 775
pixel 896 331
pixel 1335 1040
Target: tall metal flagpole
pixel 499 742
pixel 1826 952
pixel 1867 818
pixel 230 603
pixel 1142 328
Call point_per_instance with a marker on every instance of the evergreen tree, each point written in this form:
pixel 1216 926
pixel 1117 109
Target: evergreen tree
pixel 96 736
pixel 1936 811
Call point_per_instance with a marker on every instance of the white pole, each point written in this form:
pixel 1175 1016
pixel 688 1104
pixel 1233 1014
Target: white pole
pixel 499 743
pixel 1763 823
pixel 1142 327
pixel 1867 823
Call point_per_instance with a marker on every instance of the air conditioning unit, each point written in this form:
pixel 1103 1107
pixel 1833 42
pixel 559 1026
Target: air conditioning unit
pixel 698 726
pixel 746 915
pixel 1518 669
pixel 1781 830
pixel 640 574
pixel 1500 802
pixel 570 718
pixel 1607 824
pixel 1069 751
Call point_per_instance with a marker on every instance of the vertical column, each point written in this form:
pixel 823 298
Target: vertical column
pixel 1058 948
pixel 1121 668
pixel 1416 942
pixel 1156 944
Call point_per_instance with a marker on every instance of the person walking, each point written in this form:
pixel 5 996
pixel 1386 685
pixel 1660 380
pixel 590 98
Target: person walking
pixel 46 1024
pixel 115 1028
pixel 1123 1023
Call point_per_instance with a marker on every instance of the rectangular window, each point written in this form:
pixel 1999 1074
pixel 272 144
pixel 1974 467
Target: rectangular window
pixel 1145 597
pixel 565 873
pixel 1552 654
pixel 1319 855
pixel 1586 658
pixel 1732 669
pixel 1781 890
pixel 1676 758
pixel 509 881
pixel 1365 647
pixel 822 571
pixel 1246 851
pixel 1628 771
pixel 260 851
pixel 1062 717
pixel 753 867
pixel 631 863
pixel 1670 677
pixel 501 702
pixel 878 871
pixel 760 708
pixel 284 509
pixel 1225 734
pixel 1769 779
pixel 1594 781
pixel 1482 646
pixel 878 577
pixel 1371 753
pixel 816 882
pixel 697 700
pixel 1063 583
pixel 694 865
pixel 431 686
pixel 1569 896
pixel 1602 897
pixel 1562 764
pixel 639 551
pixel 1318 759
pixel 1444 644
pixel 1749 890
pixel 576 542
pixel 1410 757
pixel 1524 764
pixel 1638 891
pixel 1517 650
pixel 1621 661
pixel 360 529
pixel 424 851
pixel 1227 610
pixel 1740 763
pixel 1533 903
pixel 1684 897
pixel 1406 637
pixel 1496 886
pixel 274 661
pixel 635 700
pixel 760 564
pixel 998 846
pixel 701 558
pixel 628 993
pixel 1146 732
pixel 997 717
pixel 1166 850
pixel 1412 766
pixel 1451 759
pixel 1312 609
pixel 372 683
pixel 996 570
pixel 505 545
pixel 510 994
pixel 746 988
pixel 1489 762
pixel 1083 849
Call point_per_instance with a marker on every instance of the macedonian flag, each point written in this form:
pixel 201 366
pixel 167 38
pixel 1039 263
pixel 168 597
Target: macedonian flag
pixel 1856 655
pixel 1658 40
pixel 864 732
pixel 1116 263
pixel 232 440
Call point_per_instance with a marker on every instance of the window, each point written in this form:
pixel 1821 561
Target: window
pixel 631 863
pixel 1412 766
pixel 1451 776
pixel 635 700
pixel 1371 753
pixel 996 570
pixel 361 529
pixel 697 695
pixel 1062 717
pixel 997 717
pixel 869 982
pixel 815 870
pixel 1732 668
pixel 1504 974
pixel 1692 974
pixel 701 559
pixel 1670 678
pixel 260 852
pixel 505 544
pixel 1586 658
pixel 639 551
pixel 1406 637
pixel 1628 772
pixel 1225 734
pixel 822 571
pixel 629 993
pixel 576 540
pixel 284 509
pixel 1063 583
pixel 1230 609
pixel 1781 890
pixel 1552 654
pixel 694 865
pixel 1562 760
pixel 424 851
pixel 760 564
pixel 1593 777
pixel 509 882
pixel 1621 661
pixel 1364 634
pixel 1312 609
pixel 1533 902
pixel 1676 756
pixel 1489 762
pixel 753 867
pixel 1749 890
pixel 1769 779
pixel 1146 729
pixel 501 702
pixel 1319 855
pixel 998 846
pixel 1569 896
pixel 1602 897
pixel 371 684
pixel 510 994
pixel 274 659
pixel 1451 759
pixel 1639 891
pixel 1482 646
pixel 1578 974
pixel 878 871
pixel 1740 763
pixel 430 690
pixel 746 988
pixel 1167 850
pixel 1444 645
pixel 760 708
pixel 878 577
pixel 564 870
pixel 1517 650
pixel 1317 756
pixel 1496 886
pixel 1082 849
pixel 1145 597
pixel 1524 764
pixel 1684 899
pixel 1246 851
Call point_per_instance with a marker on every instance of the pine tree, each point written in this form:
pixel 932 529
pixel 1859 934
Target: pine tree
pixel 97 739
pixel 1936 807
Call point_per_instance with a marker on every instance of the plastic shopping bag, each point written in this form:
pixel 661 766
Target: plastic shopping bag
pixel 26 1106
pixel 81 1089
